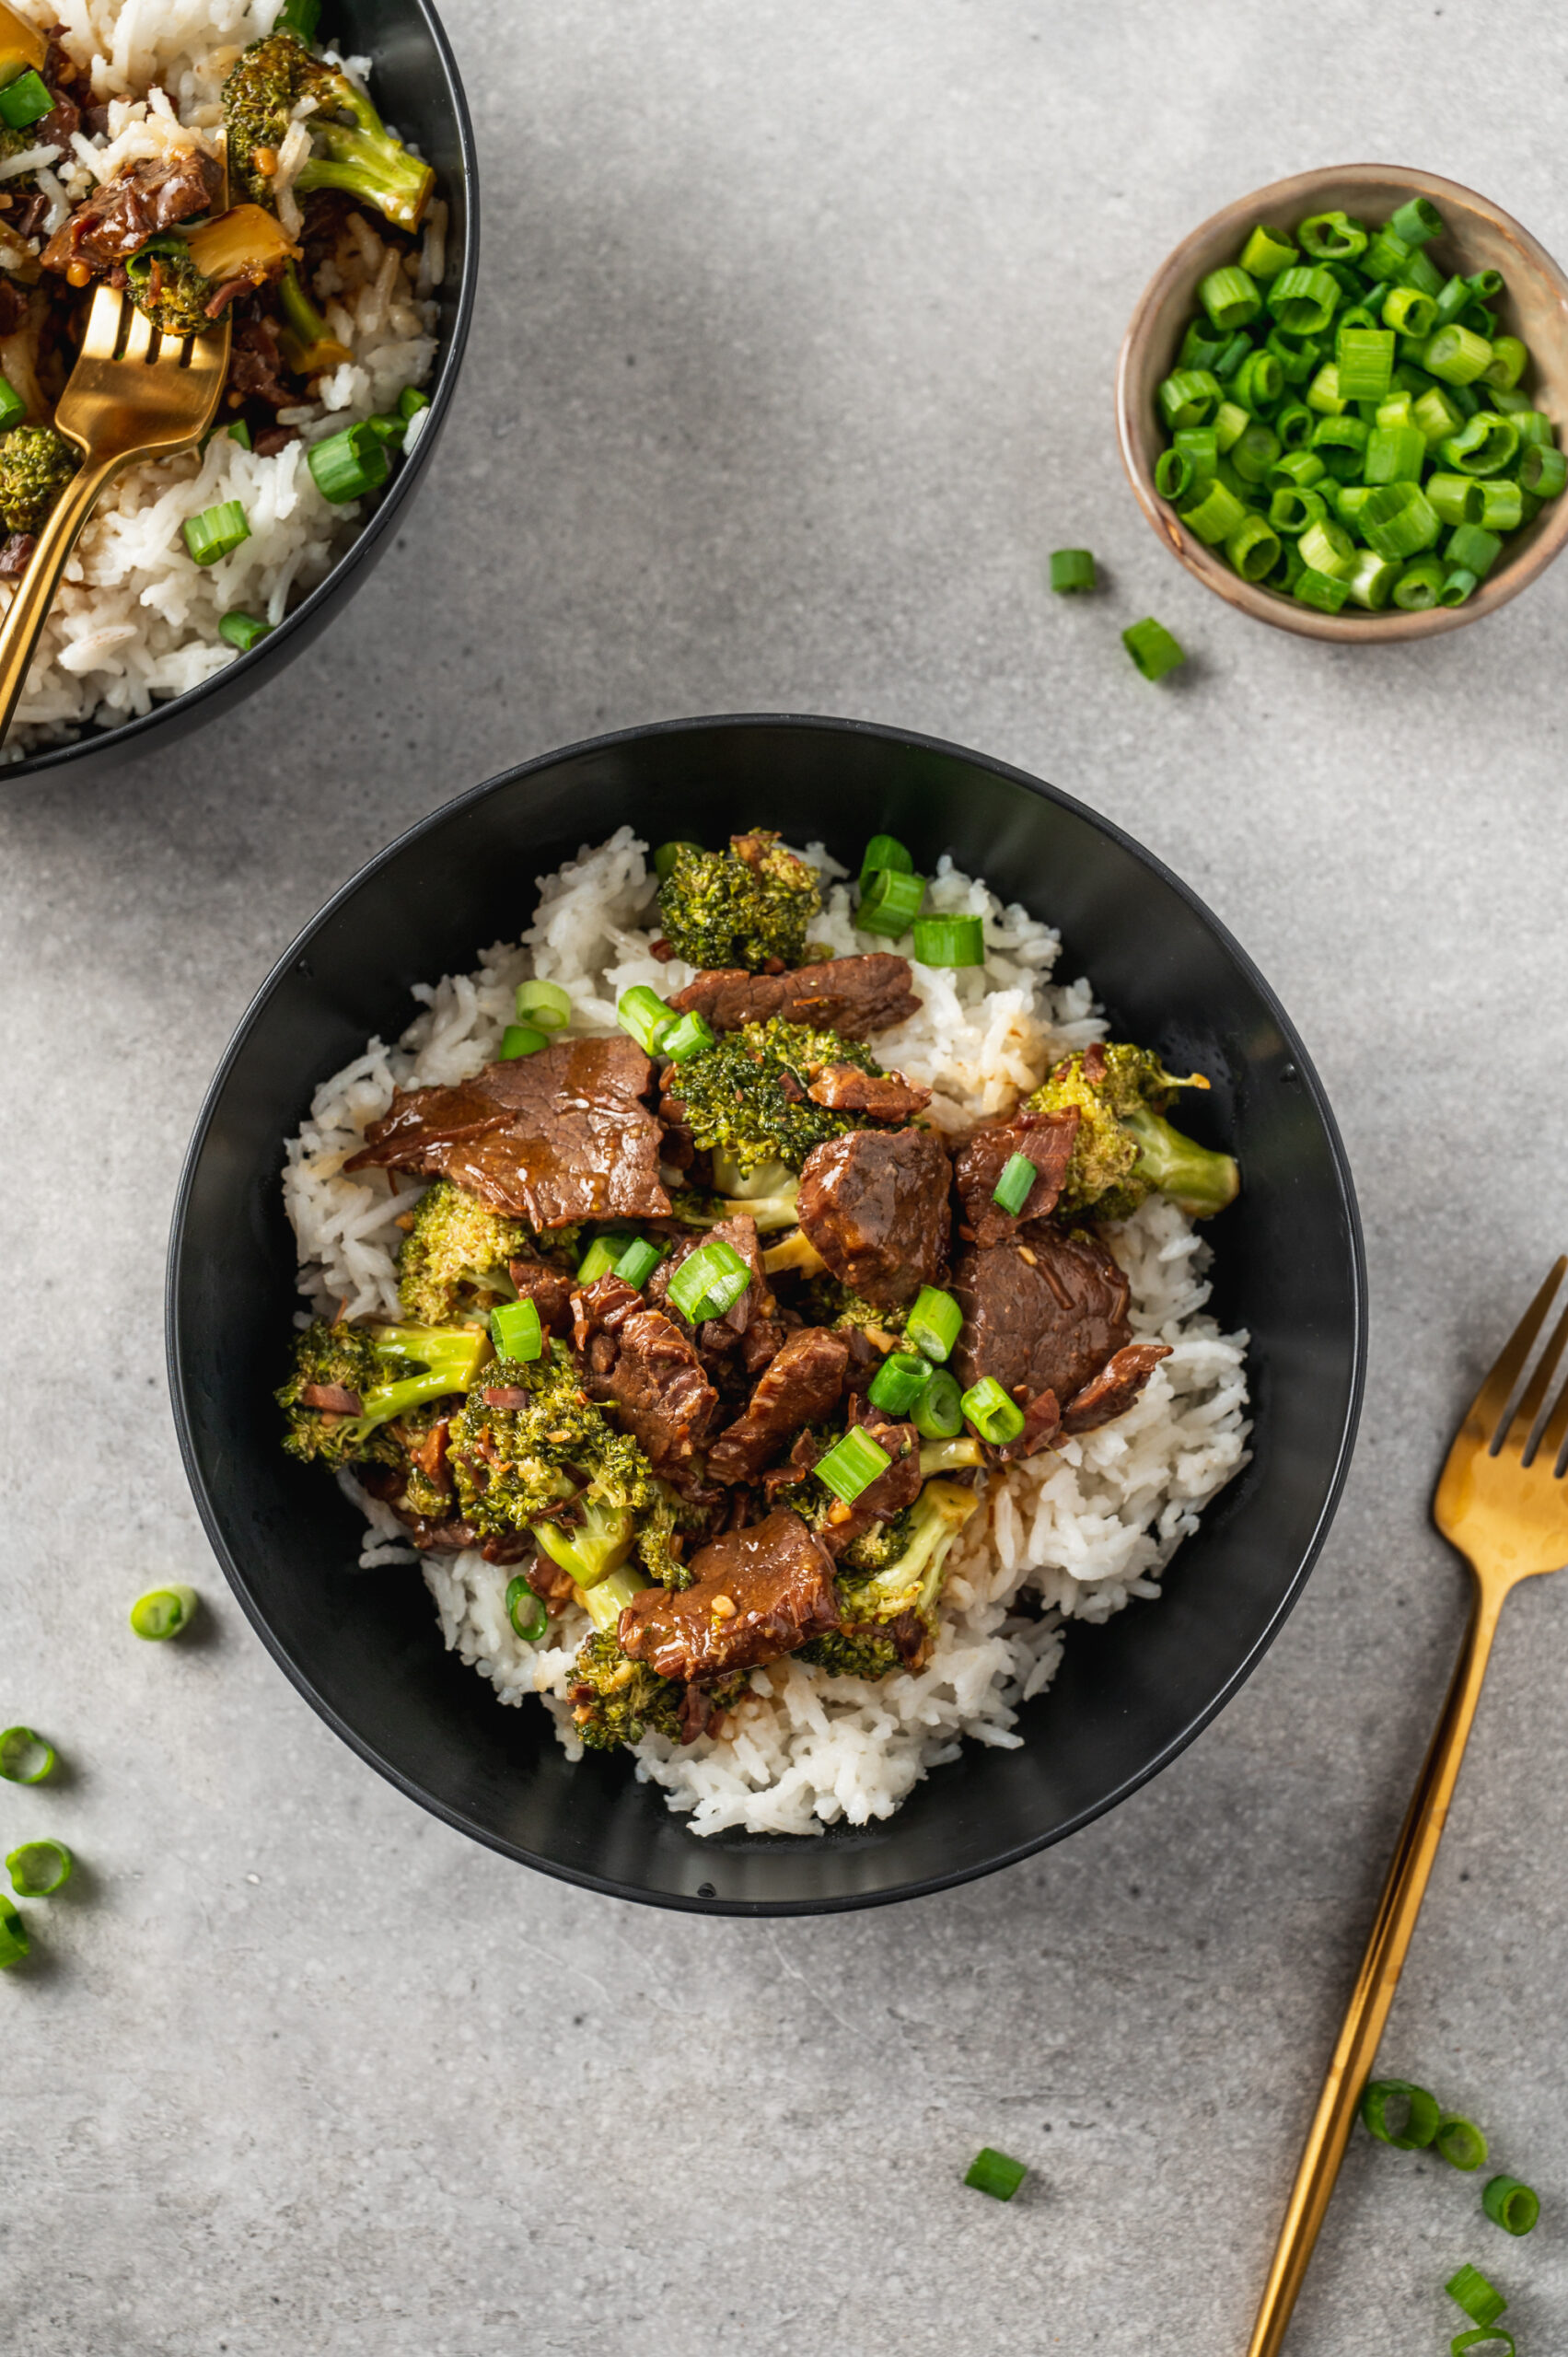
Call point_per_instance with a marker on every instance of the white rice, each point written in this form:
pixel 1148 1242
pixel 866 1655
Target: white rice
pixel 1074 1534
pixel 136 619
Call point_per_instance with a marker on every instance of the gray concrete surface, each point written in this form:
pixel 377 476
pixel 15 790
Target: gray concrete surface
pixel 792 363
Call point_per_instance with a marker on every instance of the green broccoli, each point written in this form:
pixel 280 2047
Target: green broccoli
pixel 1124 1151
pixel 617 1700
pixel 453 1261
pixel 741 1107
pixel 391 1370
pixel 828 1302
pixel 554 1466
pixel 739 907
pixel 309 347
pixel 36 464
pixel 910 1583
pixel 354 149
pixel 166 284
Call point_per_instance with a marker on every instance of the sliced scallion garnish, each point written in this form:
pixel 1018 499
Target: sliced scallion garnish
pixel 1511 2204
pixel 516 1330
pixel 638 1262
pixel 1460 2142
pixel 996 2173
pixel 994 1416
pixel 884 851
pixel 520 1040
pixel 243 631
pixel 955 941
pixel 38 1869
pixel 1071 570
pixel 164 1612
pixel 1481 2301
pixel 347 466
pixel 644 1013
pixel 687 1036
pixel 854 1462
pixel 1152 647
pixel 939 1413
pixel 216 531
pixel 600 1258
pixel 13 1935
pixel 1011 1192
pixel 25 1758
pixel 934 1322
pixel 890 902
pixel 1422 2114
pixel 525 1611
pixel 544 1004
pixel 667 854
pixel 899 1382
pixel 709 1283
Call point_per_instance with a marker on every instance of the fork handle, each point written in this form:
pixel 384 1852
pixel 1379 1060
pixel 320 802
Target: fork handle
pixel 23 625
pixel 1378 1977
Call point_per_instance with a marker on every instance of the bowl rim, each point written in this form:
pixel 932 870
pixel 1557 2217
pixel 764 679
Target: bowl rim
pixel 126 739
pixel 1134 430
pixel 693 1901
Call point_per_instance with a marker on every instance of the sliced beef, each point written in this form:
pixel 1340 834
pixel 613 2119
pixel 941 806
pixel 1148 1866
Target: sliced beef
pixel 13 306
pixel 1040 1313
pixel 333 1399
pixel 256 370
pixel 1042 1422
pixel 854 995
pixel 558 1136
pixel 755 1594
pixel 875 1204
pixel 799 1385
pixel 1046 1138
pixel 120 215
pixel 889 1493
pixel 887 1096
pixel 656 1380
pixel 1114 1388
pixel 548 1289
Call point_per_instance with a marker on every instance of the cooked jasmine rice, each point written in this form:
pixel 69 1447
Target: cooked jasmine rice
pixel 135 619
pixel 1074 1532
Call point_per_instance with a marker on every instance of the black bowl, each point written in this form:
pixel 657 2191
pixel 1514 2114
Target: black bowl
pixel 416 87
pixel 365 1648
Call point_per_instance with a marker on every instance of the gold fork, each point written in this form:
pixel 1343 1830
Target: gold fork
pixel 1501 1503
pixel 133 394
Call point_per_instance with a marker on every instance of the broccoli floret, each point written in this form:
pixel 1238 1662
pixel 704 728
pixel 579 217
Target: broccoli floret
pixel 827 1302
pixel 740 1107
pixel 617 1700
pixel 1124 1150
pixel 352 148
pixel 166 284
pixel 453 1261
pixel 909 1583
pixel 552 1466
pixel 392 1370
pixel 308 345
pixel 36 464
pixel 739 907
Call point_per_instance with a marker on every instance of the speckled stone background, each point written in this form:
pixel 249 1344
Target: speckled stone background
pixel 792 363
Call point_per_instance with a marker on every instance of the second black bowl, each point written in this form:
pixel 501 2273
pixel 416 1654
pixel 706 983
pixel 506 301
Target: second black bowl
pixel 365 1649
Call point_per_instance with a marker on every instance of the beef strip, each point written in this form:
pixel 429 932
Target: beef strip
pixel 27 216
pixel 16 553
pixel 854 995
pixel 120 215
pixel 875 1204
pixel 1114 1388
pixel 889 1493
pixel 1042 1422
pixel 548 1289
pixel 800 1386
pixel 887 1096
pixel 755 1594
pixel 1046 1138
pixel 553 1137
pixel 1041 1313
pixel 333 1399
pixel 256 365
pixel 655 1376
pixel 13 305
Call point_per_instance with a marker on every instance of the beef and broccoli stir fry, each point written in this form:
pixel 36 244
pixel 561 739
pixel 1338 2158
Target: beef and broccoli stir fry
pixel 711 1332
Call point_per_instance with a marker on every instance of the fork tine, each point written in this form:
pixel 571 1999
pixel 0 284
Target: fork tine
pixel 1539 1391
pixel 1491 1401
pixel 143 340
pixel 103 325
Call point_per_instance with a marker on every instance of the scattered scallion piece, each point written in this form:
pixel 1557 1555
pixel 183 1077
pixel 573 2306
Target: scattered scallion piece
pixel 1486 2335
pixel 544 1004
pixel 38 1869
pixel 1481 2301
pixel 667 854
pixel 934 1322
pixel 521 1040
pixel 994 1416
pixel 13 409
pixel 709 1283
pixel 25 1758
pixel 687 1036
pixel 1421 585
pixel 300 16
pixel 1460 2142
pixel 525 1611
pixel 13 1936
pixel 410 400
pixel 950 941
pixel 1072 569
pixel 1511 2204
pixel 890 902
pixel 996 2173
pixel 939 1413
pixel 243 631
pixel 164 1612
pixel 600 1258
pixel 899 1382
pixel 638 1262
pixel 1152 647
pixel 1266 253
pixel 25 101
pixel 1420 2117
pixel 516 1329
pixel 884 851
pixel 348 465
pixel 216 531
pixel 1011 1192
pixel 854 1462
pixel 644 1013
pixel 1543 471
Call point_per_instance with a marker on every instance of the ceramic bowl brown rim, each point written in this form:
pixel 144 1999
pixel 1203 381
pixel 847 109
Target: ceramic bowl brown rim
pixel 1478 234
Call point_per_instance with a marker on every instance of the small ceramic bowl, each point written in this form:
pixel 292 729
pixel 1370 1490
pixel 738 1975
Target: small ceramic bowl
pixel 1477 235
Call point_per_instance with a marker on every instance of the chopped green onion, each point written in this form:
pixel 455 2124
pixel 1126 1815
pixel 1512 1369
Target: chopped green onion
pixel 347 465
pixel 1421 585
pixel 1332 237
pixel 1152 647
pixel 1254 548
pixel 638 1261
pixel 687 1037
pixel 410 400
pixel 992 2172
pixel 1542 471
pixel 1460 2142
pixel 38 1869
pixel 516 1329
pixel 1326 591
pixel 216 530
pixel 853 1463
pixel 950 941
pixel 1341 442
pixel 884 851
pixel 1365 358
pixel 1415 221
pixel 934 1323
pixel 527 1612
pixel 1323 393
pixel 389 430
pixel 520 1040
pixel 709 1283
pixel 1457 499
pixel 1072 569
pixel 1258 383
pixel 890 902
pixel 1190 396
pixel 1296 468
pixel 1395 454
pixel 995 1417
pixel 1011 1192
pixel 1410 312
pixel 1501 506
pixel 243 631
pixel 13 409
pixel 164 1612
pixel 1174 475
pixel 25 1758
pixel 1229 361
pixel 1459 586
pixel 1484 445
pixel 1533 426
pixel 600 1258
pixel 1230 424
pixel 939 1413
pixel 1295 357
pixel 13 1936
pixel 667 854
pixel 1399 521
pixel 544 1004
pixel 1475 548
pixel 1216 514
pixel 25 101
pixel 1372 582
pixel 1490 2336
pixel 899 1382
pixel 1291 510
pixel 1485 285
pixel 1293 423
pixel 1511 2204
pixel 1457 355
pixel 1422 2114
pixel 1230 297
pixel 1481 2301
pixel 1509 360
pixel 300 16
pixel 644 1013
pixel 1255 452
pixel 1265 254
pixel 1202 343
pixel 1304 299
pixel 1328 548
